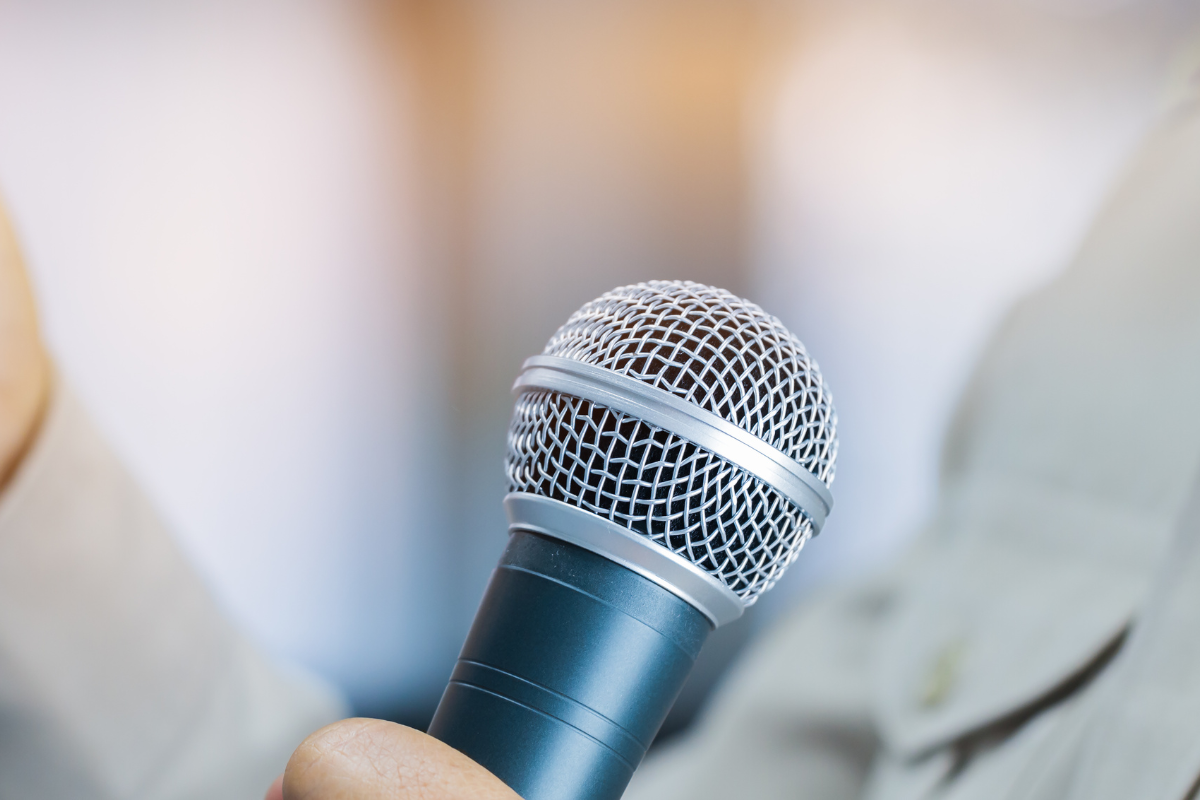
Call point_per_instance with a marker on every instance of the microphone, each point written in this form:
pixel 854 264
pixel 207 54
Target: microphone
pixel 669 454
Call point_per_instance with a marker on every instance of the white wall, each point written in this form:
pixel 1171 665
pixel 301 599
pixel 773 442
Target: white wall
pixel 228 273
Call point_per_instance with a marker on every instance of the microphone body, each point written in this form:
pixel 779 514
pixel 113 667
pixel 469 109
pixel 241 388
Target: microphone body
pixel 570 668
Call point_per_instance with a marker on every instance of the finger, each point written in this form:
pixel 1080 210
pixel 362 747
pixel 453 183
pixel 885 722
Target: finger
pixel 16 300
pixel 24 369
pixel 276 790
pixel 366 759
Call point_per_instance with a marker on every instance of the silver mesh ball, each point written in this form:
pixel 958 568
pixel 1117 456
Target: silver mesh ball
pixel 713 349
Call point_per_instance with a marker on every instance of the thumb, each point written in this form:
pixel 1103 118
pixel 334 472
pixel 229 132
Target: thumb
pixel 367 759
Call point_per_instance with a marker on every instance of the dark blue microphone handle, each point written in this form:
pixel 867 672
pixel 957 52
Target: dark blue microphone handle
pixel 570 668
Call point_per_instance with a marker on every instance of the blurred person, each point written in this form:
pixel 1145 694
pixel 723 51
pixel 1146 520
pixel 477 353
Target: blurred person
pixel 1040 638
pixel 119 675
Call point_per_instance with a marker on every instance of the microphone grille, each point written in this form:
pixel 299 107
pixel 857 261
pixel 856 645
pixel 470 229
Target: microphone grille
pixel 725 355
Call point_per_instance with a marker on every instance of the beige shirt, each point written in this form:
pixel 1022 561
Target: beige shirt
pixel 1042 640
pixel 119 676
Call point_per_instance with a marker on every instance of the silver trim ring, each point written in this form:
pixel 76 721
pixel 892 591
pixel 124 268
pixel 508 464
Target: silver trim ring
pixel 662 409
pixel 680 577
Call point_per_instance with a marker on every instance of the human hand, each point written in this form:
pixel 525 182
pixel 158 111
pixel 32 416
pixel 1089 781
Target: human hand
pixel 367 759
pixel 24 367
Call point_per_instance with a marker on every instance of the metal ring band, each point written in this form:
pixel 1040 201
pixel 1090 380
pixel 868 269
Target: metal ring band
pixel 554 518
pixel 662 409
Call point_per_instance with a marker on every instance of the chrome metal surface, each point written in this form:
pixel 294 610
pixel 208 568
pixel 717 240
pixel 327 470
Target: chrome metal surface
pixel 664 410
pixel 709 596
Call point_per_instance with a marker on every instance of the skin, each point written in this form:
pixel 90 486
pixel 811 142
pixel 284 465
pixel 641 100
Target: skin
pixel 368 759
pixel 24 366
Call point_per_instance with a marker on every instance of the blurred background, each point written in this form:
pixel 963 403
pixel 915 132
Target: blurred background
pixel 291 254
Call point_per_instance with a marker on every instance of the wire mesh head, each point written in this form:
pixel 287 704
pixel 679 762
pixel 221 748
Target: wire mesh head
pixel 727 356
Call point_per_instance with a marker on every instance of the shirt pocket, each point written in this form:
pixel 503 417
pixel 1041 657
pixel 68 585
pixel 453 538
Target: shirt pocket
pixel 1024 599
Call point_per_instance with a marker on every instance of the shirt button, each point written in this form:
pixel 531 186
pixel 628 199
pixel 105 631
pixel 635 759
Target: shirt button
pixel 943 675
